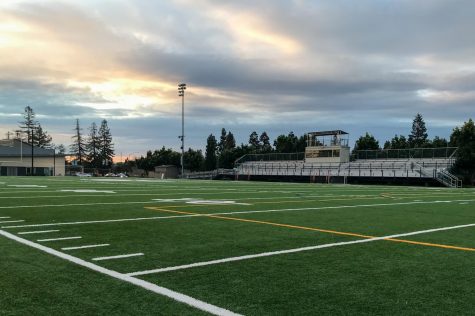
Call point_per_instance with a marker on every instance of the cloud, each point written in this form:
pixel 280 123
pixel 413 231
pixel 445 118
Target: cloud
pixel 250 65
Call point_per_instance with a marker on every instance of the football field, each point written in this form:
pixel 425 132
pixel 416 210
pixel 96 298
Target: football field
pixel 110 246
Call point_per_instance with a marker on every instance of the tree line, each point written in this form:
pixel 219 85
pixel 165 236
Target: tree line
pixel 223 152
pixel 96 150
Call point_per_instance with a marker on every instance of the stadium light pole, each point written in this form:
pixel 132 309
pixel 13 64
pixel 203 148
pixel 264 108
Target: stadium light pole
pixel 181 93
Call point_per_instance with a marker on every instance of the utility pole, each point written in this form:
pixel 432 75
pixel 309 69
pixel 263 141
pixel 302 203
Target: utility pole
pixel 54 161
pixel 181 93
pixel 32 150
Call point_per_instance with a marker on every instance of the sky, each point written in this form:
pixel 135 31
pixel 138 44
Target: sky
pixel 261 65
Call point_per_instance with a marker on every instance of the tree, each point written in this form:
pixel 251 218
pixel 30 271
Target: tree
pixel 254 142
pixel 464 138
pixel 210 154
pixel 29 124
pixel 287 143
pixel 439 142
pixel 397 142
pixel 418 136
pixel 60 149
pixel 301 144
pixel 366 142
pixel 92 147
pixel 222 141
pixel 265 143
pixel 106 147
pixel 78 147
pixel 41 138
pixel 193 160
pixel 230 142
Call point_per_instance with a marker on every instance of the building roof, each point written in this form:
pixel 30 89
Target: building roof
pixel 17 148
pixel 328 133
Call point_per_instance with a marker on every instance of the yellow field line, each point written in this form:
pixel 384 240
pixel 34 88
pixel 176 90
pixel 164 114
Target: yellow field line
pixel 314 229
pixel 430 244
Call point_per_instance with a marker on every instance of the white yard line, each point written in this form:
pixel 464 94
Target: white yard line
pixel 39 232
pixel 74 204
pixel 85 247
pixel 17 221
pixel 103 221
pixel 118 256
pixel 62 238
pixel 215 310
pixel 281 252
pixel 231 213
pixel 4 217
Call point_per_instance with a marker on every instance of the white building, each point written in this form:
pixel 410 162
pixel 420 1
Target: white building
pixel 16 160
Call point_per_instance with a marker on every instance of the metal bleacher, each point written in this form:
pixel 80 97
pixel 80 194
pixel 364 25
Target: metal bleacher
pixel 424 163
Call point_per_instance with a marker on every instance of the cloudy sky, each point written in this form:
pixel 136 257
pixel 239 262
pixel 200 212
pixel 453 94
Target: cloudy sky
pixel 264 65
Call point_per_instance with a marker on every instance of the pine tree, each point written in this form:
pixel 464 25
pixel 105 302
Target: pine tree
pixel 29 124
pixel 106 147
pixel 210 154
pixel 418 136
pixel 92 147
pixel 41 138
pixel 78 147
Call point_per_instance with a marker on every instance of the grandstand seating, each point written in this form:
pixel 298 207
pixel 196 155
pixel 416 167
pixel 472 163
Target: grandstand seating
pixel 433 168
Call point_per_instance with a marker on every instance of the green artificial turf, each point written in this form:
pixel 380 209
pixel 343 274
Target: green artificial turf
pixel 377 277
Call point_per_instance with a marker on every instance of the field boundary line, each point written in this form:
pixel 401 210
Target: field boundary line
pixel 215 310
pixel 309 248
pixel 227 213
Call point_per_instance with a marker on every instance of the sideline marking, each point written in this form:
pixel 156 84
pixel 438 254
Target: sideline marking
pixel 215 310
pixel 62 238
pixel 39 232
pixel 85 246
pixel 3 217
pixel 118 257
pixel 294 250
pixel 17 221
pixel 227 213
